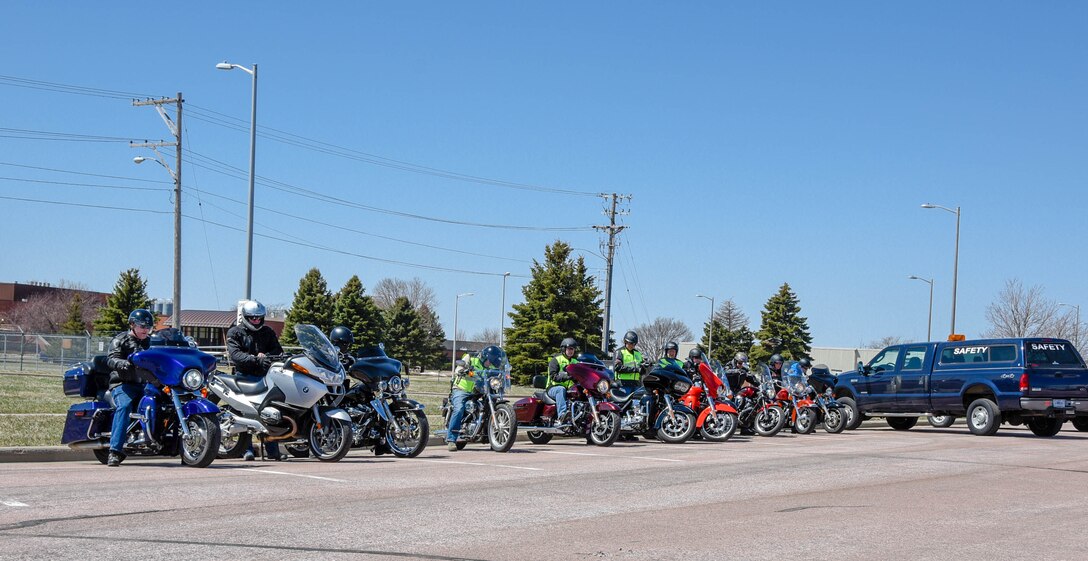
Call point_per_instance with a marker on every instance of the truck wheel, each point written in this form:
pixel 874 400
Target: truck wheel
pixel 1041 426
pixel 1081 424
pixel 983 417
pixel 902 423
pixel 850 409
pixel 940 421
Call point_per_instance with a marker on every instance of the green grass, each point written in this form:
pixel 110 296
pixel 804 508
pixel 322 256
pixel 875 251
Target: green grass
pixel 30 431
pixel 32 394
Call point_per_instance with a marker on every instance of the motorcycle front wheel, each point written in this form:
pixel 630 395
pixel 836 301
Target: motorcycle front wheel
pixel 606 430
pixel 719 426
pixel 202 445
pixel 806 421
pixel 502 432
pixel 769 421
pixel 677 429
pixel 539 437
pixel 411 439
pixel 834 420
pixel 330 442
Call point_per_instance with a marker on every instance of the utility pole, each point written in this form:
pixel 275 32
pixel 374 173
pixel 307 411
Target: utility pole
pixel 175 129
pixel 609 248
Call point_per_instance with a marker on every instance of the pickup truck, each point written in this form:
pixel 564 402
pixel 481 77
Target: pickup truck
pixel 1039 382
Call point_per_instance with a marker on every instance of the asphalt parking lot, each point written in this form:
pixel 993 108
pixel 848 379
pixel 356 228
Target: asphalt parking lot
pixel 873 493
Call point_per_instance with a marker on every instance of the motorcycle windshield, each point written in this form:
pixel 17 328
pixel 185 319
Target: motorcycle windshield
pixel 317 346
pixel 796 382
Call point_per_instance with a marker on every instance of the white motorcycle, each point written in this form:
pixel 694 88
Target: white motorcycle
pixel 284 405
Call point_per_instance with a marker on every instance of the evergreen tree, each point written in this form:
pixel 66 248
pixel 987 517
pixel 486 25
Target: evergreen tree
pixel 782 330
pixel 433 351
pixel 129 293
pixel 561 300
pixel 731 332
pixel 358 313
pixel 74 325
pixel 313 304
pixel 404 334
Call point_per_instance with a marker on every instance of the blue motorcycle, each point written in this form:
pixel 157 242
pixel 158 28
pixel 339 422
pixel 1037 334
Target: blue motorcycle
pixel 172 418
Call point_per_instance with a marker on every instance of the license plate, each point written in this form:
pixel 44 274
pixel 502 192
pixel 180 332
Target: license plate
pixel 1059 404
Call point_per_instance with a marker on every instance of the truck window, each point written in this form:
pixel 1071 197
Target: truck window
pixel 914 358
pixel 885 361
pixel 978 354
pixel 1003 353
pixel 1050 354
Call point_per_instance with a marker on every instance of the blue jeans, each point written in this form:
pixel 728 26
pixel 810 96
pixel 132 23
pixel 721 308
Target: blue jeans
pixel 457 402
pixel 559 394
pixel 126 397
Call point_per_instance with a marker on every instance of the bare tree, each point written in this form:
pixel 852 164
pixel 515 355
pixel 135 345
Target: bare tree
pixel 387 290
pixel 730 316
pixel 653 336
pixel 45 312
pixel 1027 312
pixel 885 341
pixel 489 335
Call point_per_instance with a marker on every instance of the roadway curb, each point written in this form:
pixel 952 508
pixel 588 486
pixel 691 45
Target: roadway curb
pixel 43 454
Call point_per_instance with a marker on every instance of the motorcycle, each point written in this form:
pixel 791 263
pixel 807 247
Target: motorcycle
pixel 654 410
pixel 592 414
pixel 711 396
pixel 284 405
pixel 802 413
pixel 382 415
pixel 832 413
pixel 758 410
pixel 172 418
pixel 488 414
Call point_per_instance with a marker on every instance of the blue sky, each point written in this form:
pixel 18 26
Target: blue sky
pixel 762 143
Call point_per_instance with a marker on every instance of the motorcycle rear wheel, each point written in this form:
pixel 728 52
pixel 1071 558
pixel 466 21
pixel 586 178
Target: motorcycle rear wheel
pixel 606 430
pixel 834 421
pixel 200 448
pixel 298 450
pixel 233 446
pixel 538 437
pixel 502 432
pixel 415 430
pixel 719 426
pixel 102 455
pixel 806 421
pixel 677 429
pixel 331 442
pixel 769 421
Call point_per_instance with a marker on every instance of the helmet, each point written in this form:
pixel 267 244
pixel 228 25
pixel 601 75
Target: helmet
pixel 695 353
pixel 630 337
pixel 740 357
pixel 775 358
pixel 805 363
pixel 568 342
pixel 251 314
pixel 493 357
pixel 671 346
pixel 341 337
pixel 141 317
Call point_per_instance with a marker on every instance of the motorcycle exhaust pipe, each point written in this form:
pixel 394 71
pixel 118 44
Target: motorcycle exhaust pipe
pixel 288 436
pixel 241 424
pixel 100 444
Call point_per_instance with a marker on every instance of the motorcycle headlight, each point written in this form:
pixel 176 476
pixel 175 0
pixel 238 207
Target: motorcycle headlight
pixel 495 382
pixel 395 385
pixel 602 386
pixel 681 386
pixel 383 385
pixel 192 379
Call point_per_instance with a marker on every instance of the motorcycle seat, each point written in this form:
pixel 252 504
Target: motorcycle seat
pixel 543 396
pixel 243 384
pixel 623 395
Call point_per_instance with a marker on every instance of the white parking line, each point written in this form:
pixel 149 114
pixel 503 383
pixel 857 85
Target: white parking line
pixel 610 456
pixel 477 464
pixel 12 503
pixel 294 474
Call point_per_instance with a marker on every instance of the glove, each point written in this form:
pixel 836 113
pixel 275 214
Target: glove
pixel 265 363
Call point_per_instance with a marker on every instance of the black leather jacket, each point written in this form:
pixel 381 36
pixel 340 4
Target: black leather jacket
pixel 123 371
pixel 243 346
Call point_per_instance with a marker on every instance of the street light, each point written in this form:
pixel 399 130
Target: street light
pixel 175 316
pixel 502 313
pixel 929 326
pixel 456 303
pixel 252 159
pixel 710 346
pixel 956 258
pixel 1076 328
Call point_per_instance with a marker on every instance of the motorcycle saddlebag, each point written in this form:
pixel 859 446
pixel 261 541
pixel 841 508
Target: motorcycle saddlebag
pixel 88 418
pixel 87 379
pixel 527 409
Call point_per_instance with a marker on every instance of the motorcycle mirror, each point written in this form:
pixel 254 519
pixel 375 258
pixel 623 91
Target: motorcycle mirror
pixel 461 363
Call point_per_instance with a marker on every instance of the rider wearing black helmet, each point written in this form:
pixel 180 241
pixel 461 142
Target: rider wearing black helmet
pixel 249 345
pixel 464 383
pixel 695 358
pixel 669 358
pixel 737 371
pixel 558 379
pixel 629 361
pixel 800 368
pixel 775 363
pixel 342 339
pixel 126 382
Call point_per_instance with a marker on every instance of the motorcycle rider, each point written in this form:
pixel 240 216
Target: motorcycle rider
pixel 629 362
pixel 737 372
pixel 775 364
pixel 464 383
pixel 249 344
pixel 126 382
pixel 799 370
pixel 342 339
pixel 669 358
pixel 558 379
pixel 695 358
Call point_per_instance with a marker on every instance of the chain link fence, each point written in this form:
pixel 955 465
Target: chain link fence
pixel 40 352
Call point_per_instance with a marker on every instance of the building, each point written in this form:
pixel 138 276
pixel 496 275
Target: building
pixel 14 294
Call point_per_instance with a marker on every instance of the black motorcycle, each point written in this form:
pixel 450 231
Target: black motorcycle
pixel 654 410
pixel 383 417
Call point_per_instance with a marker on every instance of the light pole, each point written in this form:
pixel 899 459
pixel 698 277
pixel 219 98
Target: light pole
pixel 710 345
pixel 929 326
pixel 175 316
pixel 456 304
pixel 1076 327
pixel 502 312
pixel 252 160
pixel 955 259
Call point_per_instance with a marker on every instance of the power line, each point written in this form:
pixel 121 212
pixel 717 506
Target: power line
pixel 64 203
pixel 53 135
pixel 84 173
pixel 73 184
pixel 66 88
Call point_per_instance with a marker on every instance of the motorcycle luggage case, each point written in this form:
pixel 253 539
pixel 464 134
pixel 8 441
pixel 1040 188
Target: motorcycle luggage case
pixel 82 421
pixel 527 409
pixel 87 379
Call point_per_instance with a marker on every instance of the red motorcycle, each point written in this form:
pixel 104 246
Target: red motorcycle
pixel 802 413
pixel 592 414
pixel 709 397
